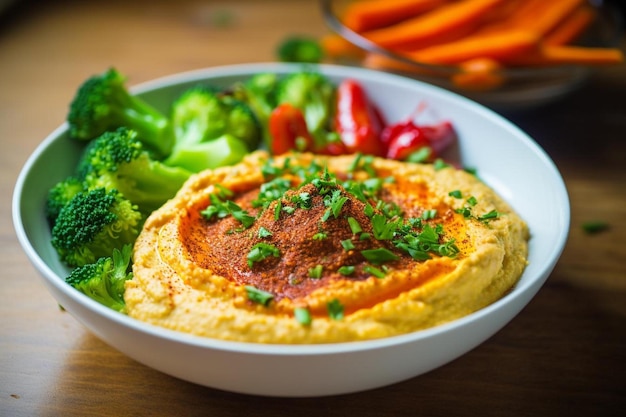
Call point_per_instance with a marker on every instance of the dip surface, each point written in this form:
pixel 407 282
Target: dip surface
pixel 304 248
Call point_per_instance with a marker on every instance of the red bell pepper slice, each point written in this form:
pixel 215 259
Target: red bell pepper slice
pixel 406 137
pixel 356 120
pixel 288 130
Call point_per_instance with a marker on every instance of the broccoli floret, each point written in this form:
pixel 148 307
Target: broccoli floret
pixel 103 103
pixel 302 49
pixel 225 150
pixel 92 224
pixel 104 279
pixel 60 194
pixel 314 95
pixel 242 122
pixel 201 116
pixel 118 160
pixel 258 92
pixel 197 116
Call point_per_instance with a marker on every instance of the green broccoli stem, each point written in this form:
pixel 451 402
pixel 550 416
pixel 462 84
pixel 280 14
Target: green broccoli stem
pixel 225 150
pixel 152 126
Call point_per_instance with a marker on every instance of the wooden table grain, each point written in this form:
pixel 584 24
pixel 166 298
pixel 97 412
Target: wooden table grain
pixel 564 355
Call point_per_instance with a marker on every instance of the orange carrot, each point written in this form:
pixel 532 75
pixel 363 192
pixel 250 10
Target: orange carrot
pixel 553 12
pixel 517 17
pixel 571 28
pixel 426 28
pixel 479 74
pixel 335 46
pixel 366 15
pixel 495 46
pixel 385 63
pixel 564 54
pixel 540 16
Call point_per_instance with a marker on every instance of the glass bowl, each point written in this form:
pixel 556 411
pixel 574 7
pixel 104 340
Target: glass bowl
pixel 521 87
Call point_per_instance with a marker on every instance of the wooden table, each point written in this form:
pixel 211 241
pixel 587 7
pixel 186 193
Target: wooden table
pixel 565 354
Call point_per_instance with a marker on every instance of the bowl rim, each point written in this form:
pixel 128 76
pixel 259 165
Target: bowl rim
pixel 291 349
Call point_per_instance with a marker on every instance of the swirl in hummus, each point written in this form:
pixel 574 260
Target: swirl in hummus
pixel 305 248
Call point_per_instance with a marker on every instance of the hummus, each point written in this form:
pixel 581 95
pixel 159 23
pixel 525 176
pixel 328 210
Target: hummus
pixel 305 248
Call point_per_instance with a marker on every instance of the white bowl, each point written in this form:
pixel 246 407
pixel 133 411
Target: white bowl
pixel 505 157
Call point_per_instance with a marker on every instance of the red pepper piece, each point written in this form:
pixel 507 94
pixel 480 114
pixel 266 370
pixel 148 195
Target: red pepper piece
pixel 333 148
pixel 288 130
pixel 441 136
pixel 406 137
pixel 357 121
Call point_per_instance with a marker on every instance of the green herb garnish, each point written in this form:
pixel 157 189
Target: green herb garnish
pixel 261 251
pixel 258 296
pixel 347 244
pixel 377 272
pixel 316 271
pixel 346 270
pixel 355 227
pixel 379 255
pixel 595 226
pixel 335 309
pixel 303 316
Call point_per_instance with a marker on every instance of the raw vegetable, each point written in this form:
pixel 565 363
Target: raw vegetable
pixel 314 95
pixel 373 14
pixel 406 138
pixel 102 103
pixel 92 224
pixel 303 49
pixel 117 160
pixel 357 121
pixel 104 280
pixel 480 37
pixel 455 17
pixel 498 46
pixel 289 131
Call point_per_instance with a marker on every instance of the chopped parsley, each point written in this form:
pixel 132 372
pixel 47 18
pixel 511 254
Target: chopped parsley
pixel 258 296
pixel 383 228
pixel 355 227
pixel 316 271
pixel 303 316
pixel 320 236
pixel 379 255
pixel 596 226
pixel 456 194
pixel 220 209
pixel 377 272
pixel 263 232
pixel 335 203
pixel 493 214
pixel 346 270
pixel 261 251
pixel 347 244
pixel 335 309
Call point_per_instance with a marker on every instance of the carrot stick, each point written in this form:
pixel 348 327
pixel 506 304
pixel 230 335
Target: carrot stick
pixel 479 74
pixel 495 46
pixel 518 15
pixel 366 15
pixel 335 46
pixel 554 11
pixel 571 28
pixel 425 29
pixel 565 54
